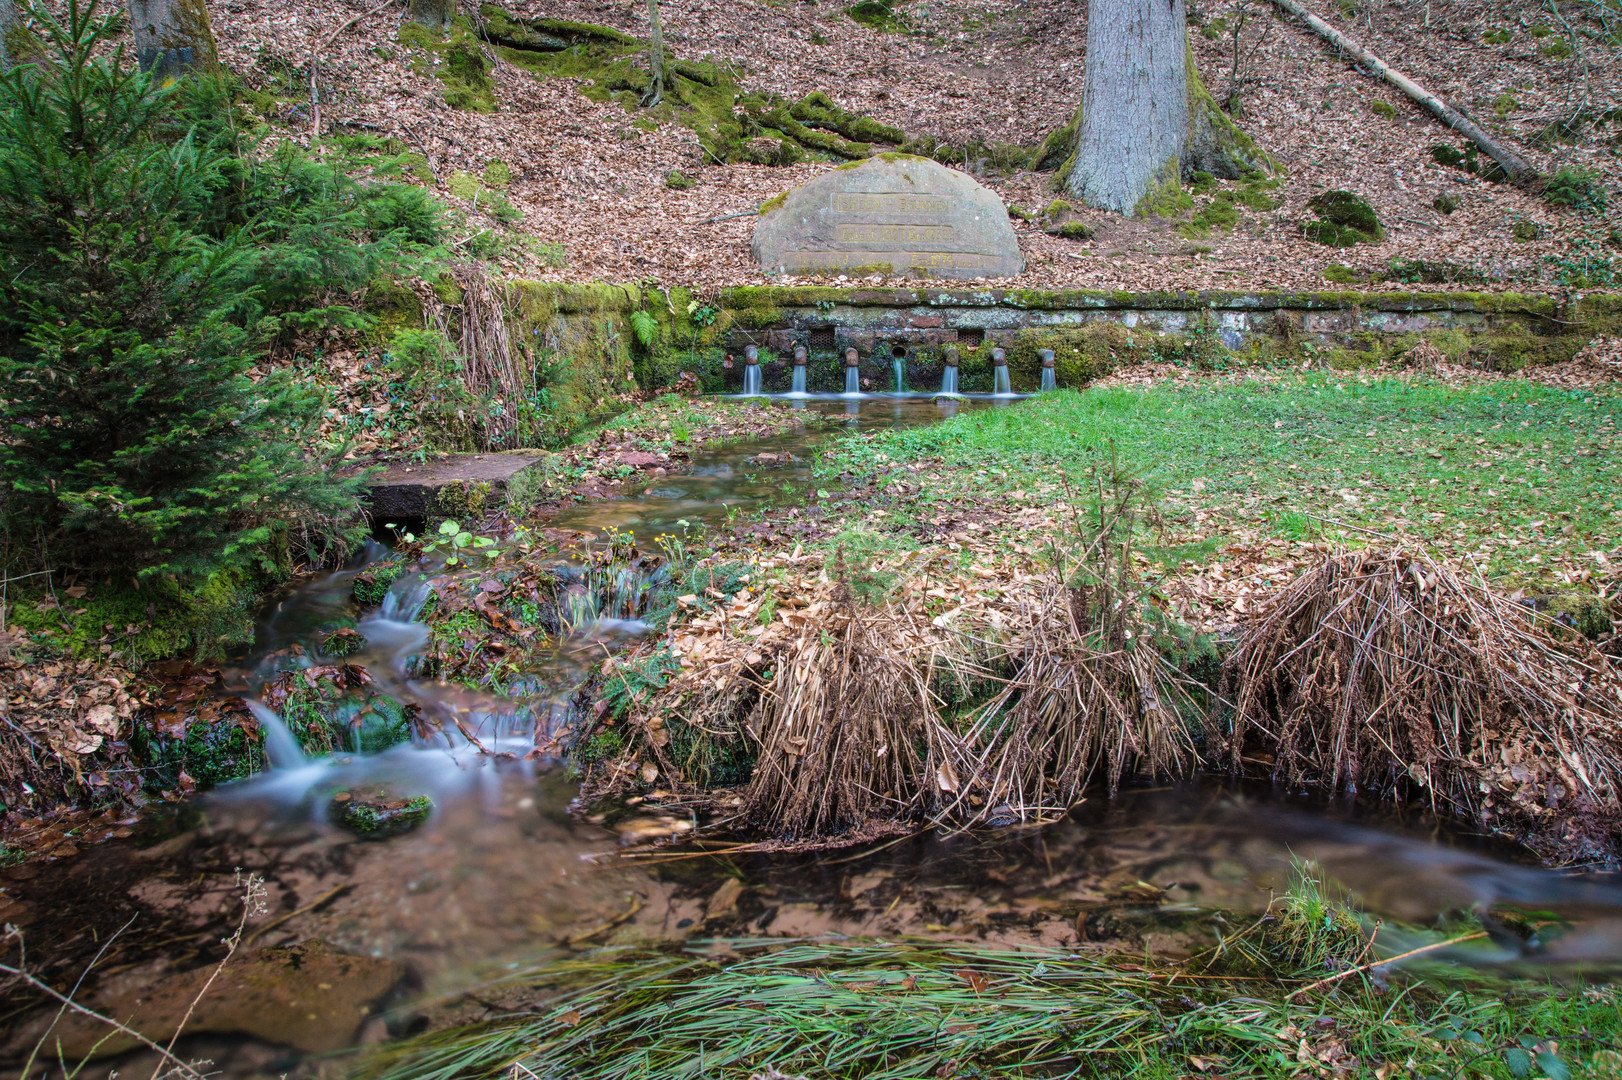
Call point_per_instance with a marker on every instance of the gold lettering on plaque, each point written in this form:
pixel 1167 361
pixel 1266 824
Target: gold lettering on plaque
pixel 903 235
pixel 888 202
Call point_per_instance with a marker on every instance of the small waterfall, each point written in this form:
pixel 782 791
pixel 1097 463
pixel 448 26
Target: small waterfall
pixel 403 602
pixel 853 380
pixel 281 747
pixel 899 366
pixel 949 381
pixel 751 380
pixel 1002 389
pixel 1048 385
pixel 799 379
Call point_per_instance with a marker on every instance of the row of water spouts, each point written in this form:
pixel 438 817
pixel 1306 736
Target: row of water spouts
pixel 853 378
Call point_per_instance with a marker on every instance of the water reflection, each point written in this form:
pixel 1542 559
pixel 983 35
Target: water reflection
pixel 725 481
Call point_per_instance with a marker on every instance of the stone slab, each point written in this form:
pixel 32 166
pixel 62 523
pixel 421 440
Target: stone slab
pixel 410 491
pixel 893 214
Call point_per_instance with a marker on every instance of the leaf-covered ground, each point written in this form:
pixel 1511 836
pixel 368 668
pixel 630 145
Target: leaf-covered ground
pixel 589 178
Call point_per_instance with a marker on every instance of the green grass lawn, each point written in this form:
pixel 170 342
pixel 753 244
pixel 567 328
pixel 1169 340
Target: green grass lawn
pixel 1520 473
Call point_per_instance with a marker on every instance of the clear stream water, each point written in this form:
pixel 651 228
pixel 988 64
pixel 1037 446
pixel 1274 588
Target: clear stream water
pixel 504 875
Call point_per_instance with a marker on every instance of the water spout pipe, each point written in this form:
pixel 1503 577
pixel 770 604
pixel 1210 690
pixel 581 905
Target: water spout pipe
pixel 851 358
pixel 751 354
pixel 999 358
pixel 1047 357
pixel 799 356
pixel 951 358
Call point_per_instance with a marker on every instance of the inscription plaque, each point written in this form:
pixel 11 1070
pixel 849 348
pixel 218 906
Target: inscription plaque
pixel 896 214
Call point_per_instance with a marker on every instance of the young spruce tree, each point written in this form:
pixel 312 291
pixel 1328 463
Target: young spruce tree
pixel 133 440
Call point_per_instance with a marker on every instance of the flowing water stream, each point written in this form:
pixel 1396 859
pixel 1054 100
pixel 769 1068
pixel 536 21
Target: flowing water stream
pixel 504 874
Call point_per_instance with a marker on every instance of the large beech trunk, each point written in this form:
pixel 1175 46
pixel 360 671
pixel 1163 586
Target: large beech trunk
pixel 434 14
pixel 1134 110
pixel 172 37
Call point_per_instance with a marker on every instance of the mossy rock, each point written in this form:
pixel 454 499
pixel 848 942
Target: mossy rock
pixel 377 814
pixel 372 584
pixel 1344 220
pixel 1445 204
pixel 676 180
pixel 878 14
pixel 1450 156
pixel 1341 274
pixel 1384 109
pixel 1524 232
pixel 1074 230
pixel 343 642
pixel 1577 611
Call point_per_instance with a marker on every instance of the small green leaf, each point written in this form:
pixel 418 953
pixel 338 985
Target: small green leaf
pixel 1518 1062
pixel 1553 1067
pixel 463 539
pixel 822 493
pixel 448 528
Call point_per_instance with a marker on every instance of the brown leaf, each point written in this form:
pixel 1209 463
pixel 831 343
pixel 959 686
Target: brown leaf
pixel 976 980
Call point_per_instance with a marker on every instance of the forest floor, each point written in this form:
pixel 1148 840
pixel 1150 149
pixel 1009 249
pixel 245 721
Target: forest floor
pixel 590 178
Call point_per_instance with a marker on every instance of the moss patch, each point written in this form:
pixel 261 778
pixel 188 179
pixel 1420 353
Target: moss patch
pixel 1344 220
pixel 1165 197
pixel 373 815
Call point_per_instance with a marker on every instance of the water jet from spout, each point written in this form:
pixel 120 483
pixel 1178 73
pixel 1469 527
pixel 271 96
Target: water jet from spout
pixel 751 372
pixel 949 373
pixel 1048 382
pixel 853 373
pixel 799 370
pixel 999 365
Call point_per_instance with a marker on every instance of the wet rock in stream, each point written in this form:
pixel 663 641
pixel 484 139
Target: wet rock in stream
pixel 376 813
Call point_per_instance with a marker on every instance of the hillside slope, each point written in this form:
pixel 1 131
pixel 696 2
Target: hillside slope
pixel 590 176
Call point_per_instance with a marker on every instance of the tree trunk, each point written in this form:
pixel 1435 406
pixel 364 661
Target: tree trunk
pixel 434 14
pixel 172 37
pixel 8 24
pixel 1134 110
pixel 656 56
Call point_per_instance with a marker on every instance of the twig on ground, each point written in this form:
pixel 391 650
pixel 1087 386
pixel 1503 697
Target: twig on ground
pixel 253 900
pixel 1432 947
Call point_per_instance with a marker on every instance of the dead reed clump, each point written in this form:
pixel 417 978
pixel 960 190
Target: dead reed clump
pixel 1095 697
pixel 1097 694
pixel 1381 666
pixel 849 730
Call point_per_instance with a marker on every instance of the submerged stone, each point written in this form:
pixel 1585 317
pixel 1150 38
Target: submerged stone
pixel 892 214
pixel 309 996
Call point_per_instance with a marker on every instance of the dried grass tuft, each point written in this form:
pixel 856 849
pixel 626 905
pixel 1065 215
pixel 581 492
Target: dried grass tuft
pixel 849 729
pixel 1384 666
pixel 1094 698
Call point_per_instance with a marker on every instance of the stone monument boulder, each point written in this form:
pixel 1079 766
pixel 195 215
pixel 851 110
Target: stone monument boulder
pixel 892 214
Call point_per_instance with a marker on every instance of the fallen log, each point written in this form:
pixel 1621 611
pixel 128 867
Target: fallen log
pixel 1520 171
